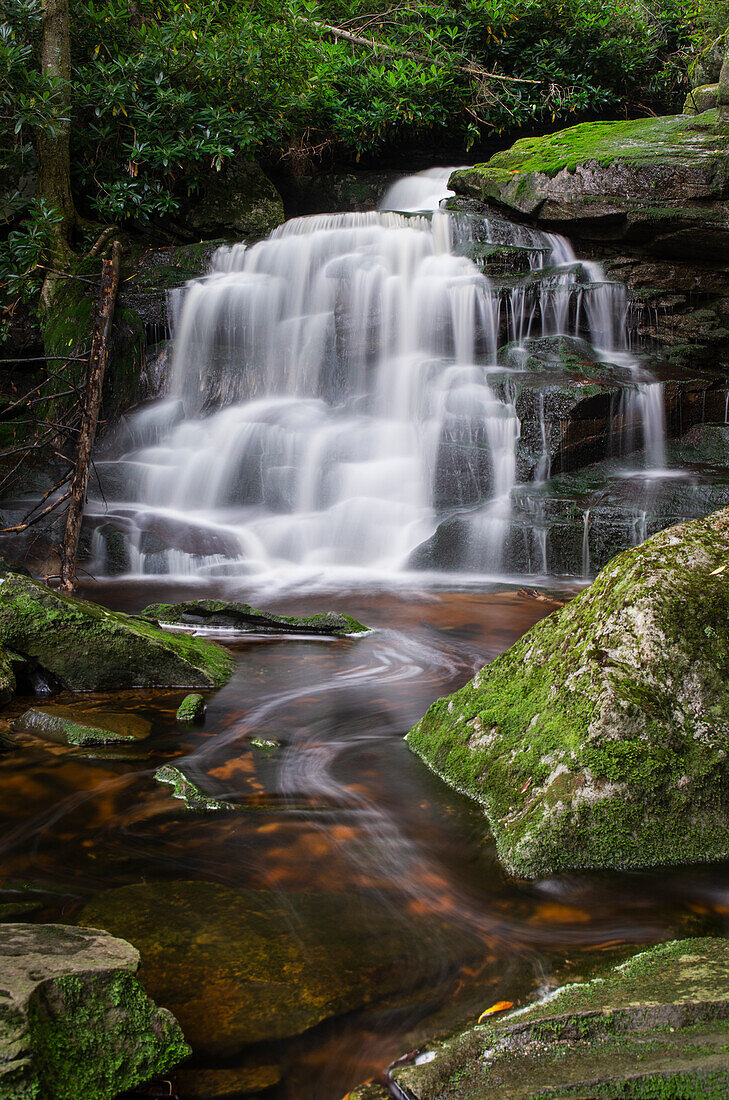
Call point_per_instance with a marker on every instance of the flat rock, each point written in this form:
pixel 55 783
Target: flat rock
pixel 221 1084
pixel 600 738
pixel 660 179
pixel 76 1023
pixel 656 1025
pixel 246 966
pixel 228 615
pixel 66 727
pixel 86 647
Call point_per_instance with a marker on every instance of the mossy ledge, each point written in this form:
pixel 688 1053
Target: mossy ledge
pixel 635 180
pixel 656 1026
pixel 87 647
pixel 241 617
pixel 599 740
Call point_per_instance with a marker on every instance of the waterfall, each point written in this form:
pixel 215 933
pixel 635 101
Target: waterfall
pixel 335 387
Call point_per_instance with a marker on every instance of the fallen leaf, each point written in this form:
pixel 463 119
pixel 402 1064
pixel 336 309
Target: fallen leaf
pixel 526 786
pixel 714 572
pixel 500 1006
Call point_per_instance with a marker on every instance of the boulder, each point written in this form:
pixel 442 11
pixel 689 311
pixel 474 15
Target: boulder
pixel 659 180
pixel 600 739
pixel 62 726
pixel 654 1026
pixel 86 647
pixel 703 98
pixel 7 677
pixel 246 966
pixel 241 617
pixel 238 201
pixel 189 792
pixel 76 1023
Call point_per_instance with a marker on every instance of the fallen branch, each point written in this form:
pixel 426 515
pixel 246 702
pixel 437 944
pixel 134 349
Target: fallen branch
pixel 51 507
pixel 96 369
pixel 471 69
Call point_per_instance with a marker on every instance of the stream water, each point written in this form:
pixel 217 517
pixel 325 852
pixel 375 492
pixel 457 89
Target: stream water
pixel 338 393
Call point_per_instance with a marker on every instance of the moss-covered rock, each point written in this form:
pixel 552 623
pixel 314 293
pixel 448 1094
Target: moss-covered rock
pixel 244 966
pixel 7 677
pixel 239 200
pixel 703 98
pixel 75 1024
pixel 62 726
pixel 654 1026
pixel 190 793
pixel 600 739
pixel 241 617
pixel 648 178
pixel 191 709
pixel 86 647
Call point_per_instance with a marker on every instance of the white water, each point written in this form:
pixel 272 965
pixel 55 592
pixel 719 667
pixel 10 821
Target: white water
pixel 331 390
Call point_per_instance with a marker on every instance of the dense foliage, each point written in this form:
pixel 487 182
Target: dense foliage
pixel 168 90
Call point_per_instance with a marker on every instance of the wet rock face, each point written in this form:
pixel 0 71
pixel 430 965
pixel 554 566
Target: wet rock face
pixel 600 738
pixel 76 1023
pixel 657 1025
pixel 244 966
pixel 86 647
pixel 240 201
pixel 64 727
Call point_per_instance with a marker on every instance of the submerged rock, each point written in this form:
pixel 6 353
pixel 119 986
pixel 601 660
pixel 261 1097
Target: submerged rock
pixel 189 792
pixel 657 1025
pixel 191 709
pixel 227 1084
pixel 245 966
pixel 600 738
pixel 61 725
pixel 76 1023
pixel 86 647
pixel 228 615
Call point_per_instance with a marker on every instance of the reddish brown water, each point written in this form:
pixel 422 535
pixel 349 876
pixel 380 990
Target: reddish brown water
pixel 345 807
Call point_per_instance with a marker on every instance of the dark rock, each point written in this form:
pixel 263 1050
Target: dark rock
pixel 598 740
pixel 238 201
pixel 656 1025
pixel 76 1022
pixel 86 647
pixel 221 1084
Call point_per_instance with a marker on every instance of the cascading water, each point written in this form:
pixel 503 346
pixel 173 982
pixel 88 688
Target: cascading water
pixel 337 387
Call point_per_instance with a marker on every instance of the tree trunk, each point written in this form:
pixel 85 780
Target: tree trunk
pixel 97 367
pixel 54 149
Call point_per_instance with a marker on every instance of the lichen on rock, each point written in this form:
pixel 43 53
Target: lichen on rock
pixel 600 739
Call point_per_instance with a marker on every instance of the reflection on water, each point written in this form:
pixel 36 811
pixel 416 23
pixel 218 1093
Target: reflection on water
pixel 341 807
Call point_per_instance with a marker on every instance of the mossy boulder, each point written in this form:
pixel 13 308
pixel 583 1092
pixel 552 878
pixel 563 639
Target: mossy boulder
pixel 62 726
pixel 655 1026
pixel 241 617
pixel 601 738
pixel 703 98
pixel 86 647
pixel 245 966
pixel 240 200
pixel 643 180
pixel 191 709
pixel 189 792
pixel 7 677
pixel 75 1022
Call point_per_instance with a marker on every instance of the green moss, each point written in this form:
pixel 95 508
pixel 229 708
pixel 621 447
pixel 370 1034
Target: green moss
pixel 188 792
pixel 191 709
pixel 83 1053
pixel 599 739
pixel 89 648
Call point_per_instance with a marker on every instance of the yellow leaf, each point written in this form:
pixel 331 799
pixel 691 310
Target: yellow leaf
pixel 500 1006
pixel 714 572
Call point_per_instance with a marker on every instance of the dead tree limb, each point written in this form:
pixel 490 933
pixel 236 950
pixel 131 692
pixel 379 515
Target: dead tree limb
pixel 471 68
pixel 96 369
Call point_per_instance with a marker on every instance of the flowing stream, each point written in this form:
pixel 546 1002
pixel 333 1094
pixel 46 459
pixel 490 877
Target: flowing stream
pixel 341 387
